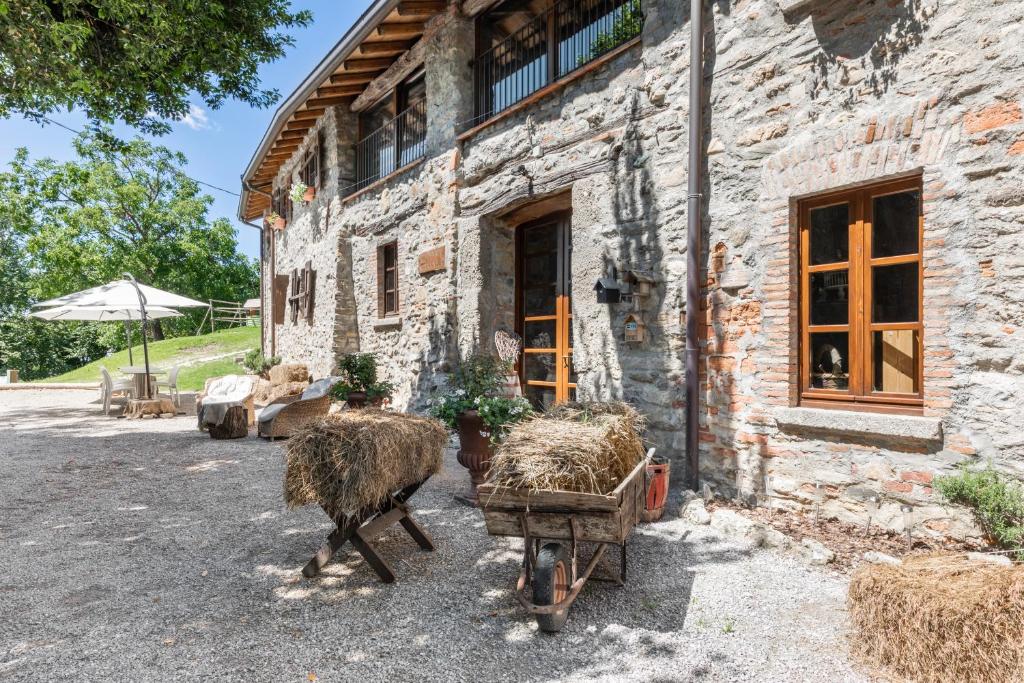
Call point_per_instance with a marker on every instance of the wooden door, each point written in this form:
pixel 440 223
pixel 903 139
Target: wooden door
pixel 544 310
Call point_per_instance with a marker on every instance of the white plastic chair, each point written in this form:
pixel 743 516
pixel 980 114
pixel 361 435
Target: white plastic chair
pixel 171 383
pixel 110 386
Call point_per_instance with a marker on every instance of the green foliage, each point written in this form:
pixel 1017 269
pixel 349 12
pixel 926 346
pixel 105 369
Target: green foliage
pixel 120 207
pixel 998 503
pixel 501 412
pixel 138 60
pixel 475 379
pixel 38 349
pixel 258 364
pixel 358 372
pixel 627 26
pixel 298 192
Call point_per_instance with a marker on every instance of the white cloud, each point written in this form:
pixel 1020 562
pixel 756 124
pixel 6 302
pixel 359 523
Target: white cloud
pixel 196 118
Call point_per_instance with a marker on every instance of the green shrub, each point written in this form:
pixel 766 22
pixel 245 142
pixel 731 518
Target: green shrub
pixel 998 503
pixel 475 385
pixel 358 373
pixel 627 26
pixel 258 364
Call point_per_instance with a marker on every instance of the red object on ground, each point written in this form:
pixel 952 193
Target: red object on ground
pixel 657 491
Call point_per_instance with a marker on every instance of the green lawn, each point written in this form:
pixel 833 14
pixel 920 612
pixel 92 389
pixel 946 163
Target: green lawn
pixel 178 351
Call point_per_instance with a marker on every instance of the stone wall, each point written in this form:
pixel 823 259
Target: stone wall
pixel 823 96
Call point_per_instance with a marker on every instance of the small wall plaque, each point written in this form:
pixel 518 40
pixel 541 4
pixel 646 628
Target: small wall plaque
pixel 432 261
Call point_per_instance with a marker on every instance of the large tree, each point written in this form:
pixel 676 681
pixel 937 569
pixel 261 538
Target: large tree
pixel 137 60
pixel 120 207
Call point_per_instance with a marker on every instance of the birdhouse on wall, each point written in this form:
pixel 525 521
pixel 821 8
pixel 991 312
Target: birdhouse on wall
pixel 608 291
pixel 643 282
pixel 636 330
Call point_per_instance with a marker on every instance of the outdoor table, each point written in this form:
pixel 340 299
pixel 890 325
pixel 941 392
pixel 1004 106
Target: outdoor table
pixel 138 373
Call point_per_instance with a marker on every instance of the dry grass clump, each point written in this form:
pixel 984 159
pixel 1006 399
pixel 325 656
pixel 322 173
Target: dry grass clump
pixel 581 447
pixel 940 618
pixel 356 458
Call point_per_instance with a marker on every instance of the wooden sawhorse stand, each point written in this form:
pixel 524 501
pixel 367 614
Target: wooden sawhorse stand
pixel 364 527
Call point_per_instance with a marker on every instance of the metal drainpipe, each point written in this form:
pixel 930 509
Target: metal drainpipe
pixel 693 245
pixel 263 318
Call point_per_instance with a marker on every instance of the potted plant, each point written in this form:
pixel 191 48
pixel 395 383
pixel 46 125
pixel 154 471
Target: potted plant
pixel 358 385
pixel 275 221
pixel 301 192
pixel 258 364
pixel 475 408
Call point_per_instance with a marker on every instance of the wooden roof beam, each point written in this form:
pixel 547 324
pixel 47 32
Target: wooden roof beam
pixel 353 79
pixel 339 91
pixel 372 64
pixel 299 125
pixel 404 28
pixel 420 8
pixel 308 114
pixel 385 47
pixel 330 101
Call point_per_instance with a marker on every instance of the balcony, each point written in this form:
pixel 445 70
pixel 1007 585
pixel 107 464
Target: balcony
pixel 398 143
pixel 528 52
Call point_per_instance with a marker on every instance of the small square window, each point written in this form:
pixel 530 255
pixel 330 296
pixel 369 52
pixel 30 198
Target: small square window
pixel 387 280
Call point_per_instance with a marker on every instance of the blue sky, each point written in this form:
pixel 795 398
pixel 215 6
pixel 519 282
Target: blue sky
pixel 218 143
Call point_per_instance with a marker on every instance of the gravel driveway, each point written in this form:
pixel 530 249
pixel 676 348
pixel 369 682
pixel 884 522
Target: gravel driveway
pixel 143 550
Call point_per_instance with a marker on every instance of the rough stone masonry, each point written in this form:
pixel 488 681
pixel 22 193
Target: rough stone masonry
pixel 802 98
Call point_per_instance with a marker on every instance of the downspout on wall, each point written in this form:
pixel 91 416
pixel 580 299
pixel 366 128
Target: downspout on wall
pixel 693 244
pixel 263 317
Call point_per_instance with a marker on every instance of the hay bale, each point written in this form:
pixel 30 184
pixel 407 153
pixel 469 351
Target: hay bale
pixel 940 618
pixel 580 447
pixel 352 460
pixel 293 372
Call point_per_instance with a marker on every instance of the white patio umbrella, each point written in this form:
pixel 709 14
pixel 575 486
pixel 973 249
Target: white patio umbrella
pixel 127 295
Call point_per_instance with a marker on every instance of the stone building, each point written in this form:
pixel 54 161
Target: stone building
pixel 491 164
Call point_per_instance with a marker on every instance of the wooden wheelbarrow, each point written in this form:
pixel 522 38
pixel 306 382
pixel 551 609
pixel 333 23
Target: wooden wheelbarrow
pixel 552 525
pixel 364 527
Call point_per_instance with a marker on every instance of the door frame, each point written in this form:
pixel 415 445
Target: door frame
pixel 563 301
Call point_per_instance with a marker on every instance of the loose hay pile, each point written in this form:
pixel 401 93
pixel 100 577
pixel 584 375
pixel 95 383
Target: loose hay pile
pixel 580 447
pixel 940 618
pixel 355 459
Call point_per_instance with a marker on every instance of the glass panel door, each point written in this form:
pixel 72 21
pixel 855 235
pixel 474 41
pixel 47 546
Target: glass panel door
pixel 544 311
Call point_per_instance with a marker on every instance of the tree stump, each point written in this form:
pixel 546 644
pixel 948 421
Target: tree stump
pixel 150 407
pixel 234 426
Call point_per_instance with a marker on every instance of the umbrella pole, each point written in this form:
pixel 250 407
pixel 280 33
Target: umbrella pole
pixel 142 315
pixel 128 336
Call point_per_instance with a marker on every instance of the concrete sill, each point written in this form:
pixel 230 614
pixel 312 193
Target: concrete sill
pixel 840 422
pixel 387 323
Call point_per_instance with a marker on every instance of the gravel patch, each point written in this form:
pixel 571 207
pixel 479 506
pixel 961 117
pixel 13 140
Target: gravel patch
pixel 143 550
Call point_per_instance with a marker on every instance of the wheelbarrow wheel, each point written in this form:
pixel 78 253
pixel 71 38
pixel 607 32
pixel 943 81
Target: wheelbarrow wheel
pixel 552 577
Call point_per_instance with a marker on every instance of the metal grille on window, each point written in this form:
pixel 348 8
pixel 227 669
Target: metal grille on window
pixel 396 143
pixel 526 50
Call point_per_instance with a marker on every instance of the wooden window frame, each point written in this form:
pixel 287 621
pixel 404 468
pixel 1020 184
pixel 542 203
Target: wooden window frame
pixel 309 173
pixel 300 301
pixel 860 394
pixel 382 270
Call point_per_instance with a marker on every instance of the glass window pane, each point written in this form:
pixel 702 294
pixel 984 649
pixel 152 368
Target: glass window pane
pixel 829 360
pixel 541 397
pixel 894 293
pixel 539 335
pixel 830 234
pixel 541 269
pixel 540 367
pixel 543 238
pixel 389 303
pixel 894 231
pixel 539 301
pixel 895 361
pixel 830 298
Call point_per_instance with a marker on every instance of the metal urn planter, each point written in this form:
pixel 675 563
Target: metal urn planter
pixel 475 452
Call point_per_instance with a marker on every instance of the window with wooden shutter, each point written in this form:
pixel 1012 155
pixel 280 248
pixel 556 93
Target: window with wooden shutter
pixel 861 298
pixel 280 298
pixel 310 172
pixel 387 280
pixel 321 145
pixel 300 301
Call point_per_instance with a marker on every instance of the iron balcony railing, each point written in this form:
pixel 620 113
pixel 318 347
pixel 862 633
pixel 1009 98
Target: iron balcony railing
pixel 564 38
pixel 399 142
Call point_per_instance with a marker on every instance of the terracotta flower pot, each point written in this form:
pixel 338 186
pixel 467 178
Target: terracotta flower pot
pixel 279 224
pixel 657 491
pixel 309 194
pixel 475 451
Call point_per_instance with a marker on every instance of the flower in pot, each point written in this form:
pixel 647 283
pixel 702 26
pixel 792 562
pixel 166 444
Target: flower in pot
pixel 475 408
pixel 359 386
pixel 275 221
pixel 301 192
